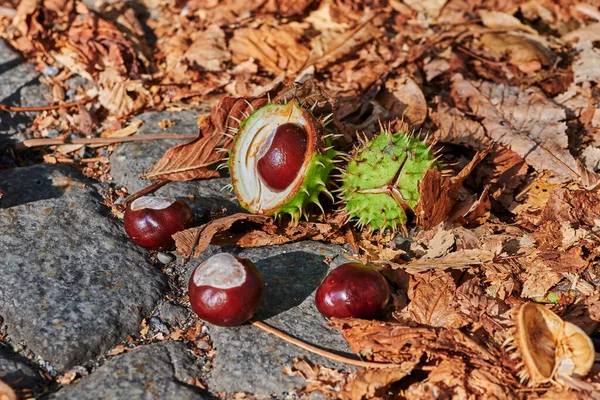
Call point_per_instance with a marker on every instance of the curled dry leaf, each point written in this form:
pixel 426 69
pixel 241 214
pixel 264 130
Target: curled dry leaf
pixel 548 346
pixel 432 300
pixel 398 343
pixel 524 121
pixel 525 53
pixel 447 380
pixel 331 232
pixel 190 160
pixel 460 259
pixel 331 46
pixel 320 379
pixel 501 20
pixel 438 193
pixel 276 48
pixel 431 8
pixel 365 383
pixel 209 49
pixel 403 99
pixel 193 241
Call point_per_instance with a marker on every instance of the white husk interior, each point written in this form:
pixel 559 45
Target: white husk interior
pixel 222 271
pixel 153 203
pixel 250 187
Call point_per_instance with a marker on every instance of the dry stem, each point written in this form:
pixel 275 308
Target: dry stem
pixel 109 140
pixel 318 351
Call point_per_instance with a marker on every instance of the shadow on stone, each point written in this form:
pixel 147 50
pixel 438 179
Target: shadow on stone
pixel 289 278
pixel 22 188
pixel 11 121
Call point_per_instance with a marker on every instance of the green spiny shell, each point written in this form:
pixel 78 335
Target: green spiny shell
pixel 381 180
pixel 311 180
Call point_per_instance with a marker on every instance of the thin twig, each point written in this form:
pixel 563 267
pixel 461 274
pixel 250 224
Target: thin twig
pixel 109 140
pixel 4 107
pixel 318 351
pixel 149 189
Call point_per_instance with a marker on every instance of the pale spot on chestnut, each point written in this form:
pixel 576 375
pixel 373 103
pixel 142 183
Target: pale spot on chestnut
pixel 153 203
pixel 226 290
pixel 222 271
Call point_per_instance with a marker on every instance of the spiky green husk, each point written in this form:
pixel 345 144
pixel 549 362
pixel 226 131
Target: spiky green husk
pixel 381 180
pixel 312 178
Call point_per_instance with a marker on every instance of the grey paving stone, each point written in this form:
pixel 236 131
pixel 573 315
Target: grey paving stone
pixel 129 160
pixel 19 372
pixel 250 360
pixel 155 371
pixel 73 284
pixel 20 87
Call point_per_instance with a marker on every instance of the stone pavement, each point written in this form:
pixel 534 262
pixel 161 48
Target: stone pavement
pixel 74 286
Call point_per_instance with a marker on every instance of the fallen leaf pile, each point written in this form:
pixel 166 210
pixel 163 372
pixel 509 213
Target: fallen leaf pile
pixel 508 90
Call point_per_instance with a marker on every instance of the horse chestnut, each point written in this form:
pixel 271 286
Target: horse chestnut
pixel 226 290
pixel 352 290
pixel 151 221
pixel 283 158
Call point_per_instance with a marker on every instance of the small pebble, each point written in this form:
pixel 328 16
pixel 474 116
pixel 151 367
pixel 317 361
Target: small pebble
pixel 158 325
pixel 50 70
pixel 165 258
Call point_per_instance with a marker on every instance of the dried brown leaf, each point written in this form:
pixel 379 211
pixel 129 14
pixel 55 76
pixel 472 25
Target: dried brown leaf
pixel 398 343
pixel 367 382
pixel 403 99
pixel 461 259
pixel 276 48
pixel 193 241
pixel 320 379
pixel 454 127
pixel 431 8
pixel 432 300
pixel 501 20
pixel 209 49
pixel 527 54
pixel 190 160
pixel 446 380
pixel 331 46
pixel 438 194
pixel 271 235
pixel 524 121
pixel 586 67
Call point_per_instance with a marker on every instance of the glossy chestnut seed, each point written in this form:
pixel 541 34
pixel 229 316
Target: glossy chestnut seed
pixel 279 165
pixel 226 290
pixel 151 221
pixel 352 290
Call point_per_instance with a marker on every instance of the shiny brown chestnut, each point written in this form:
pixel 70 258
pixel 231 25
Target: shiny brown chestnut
pixel 352 290
pixel 226 290
pixel 151 221
pixel 279 165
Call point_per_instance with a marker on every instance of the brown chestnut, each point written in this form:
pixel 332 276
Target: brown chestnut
pixel 352 290
pixel 151 221
pixel 280 163
pixel 226 290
